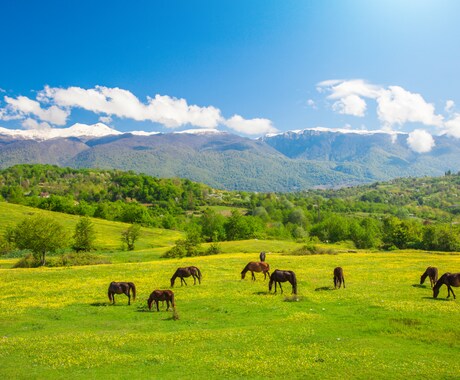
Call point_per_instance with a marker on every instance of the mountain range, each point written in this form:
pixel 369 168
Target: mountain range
pixel 290 161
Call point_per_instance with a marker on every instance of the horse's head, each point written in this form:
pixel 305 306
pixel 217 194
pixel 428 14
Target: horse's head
pixel 149 302
pixel 173 279
pixel 270 284
pixel 243 275
pixel 435 292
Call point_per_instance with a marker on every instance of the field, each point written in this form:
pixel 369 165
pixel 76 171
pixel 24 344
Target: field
pixel 57 322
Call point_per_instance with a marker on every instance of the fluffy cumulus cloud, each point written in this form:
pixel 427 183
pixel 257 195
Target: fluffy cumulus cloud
pixel 420 141
pixel 395 105
pixel 256 126
pixel 53 105
pixel 452 126
pixel 450 104
pixel 22 107
pixel 168 111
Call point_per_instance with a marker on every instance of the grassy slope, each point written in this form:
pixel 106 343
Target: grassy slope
pixel 57 323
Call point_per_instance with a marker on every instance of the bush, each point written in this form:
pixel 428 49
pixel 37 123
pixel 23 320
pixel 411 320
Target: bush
pixel 64 260
pixel 28 261
pixel 311 249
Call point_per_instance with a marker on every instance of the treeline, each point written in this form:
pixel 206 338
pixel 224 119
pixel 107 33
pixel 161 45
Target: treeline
pixel 405 213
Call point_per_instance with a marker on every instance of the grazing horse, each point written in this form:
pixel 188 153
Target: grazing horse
pixel 256 267
pixel 262 256
pixel 279 276
pixel 186 272
pixel 119 288
pixel 338 278
pixel 431 272
pixel 161 295
pixel 448 279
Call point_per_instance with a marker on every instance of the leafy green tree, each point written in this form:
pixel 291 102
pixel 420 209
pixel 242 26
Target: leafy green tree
pixel 84 235
pixel 41 235
pixel 130 236
pixel 212 225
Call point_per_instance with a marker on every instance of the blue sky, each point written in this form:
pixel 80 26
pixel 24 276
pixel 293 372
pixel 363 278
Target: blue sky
pixel 250 67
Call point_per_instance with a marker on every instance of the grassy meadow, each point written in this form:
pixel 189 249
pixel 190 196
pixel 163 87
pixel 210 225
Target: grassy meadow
pixel 57 322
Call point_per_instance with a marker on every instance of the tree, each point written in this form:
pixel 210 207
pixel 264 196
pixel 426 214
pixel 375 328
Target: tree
pixel 84 235
pixel 41 235
pixel 130 236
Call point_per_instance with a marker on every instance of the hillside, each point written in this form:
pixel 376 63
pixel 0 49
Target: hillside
pixel 291 161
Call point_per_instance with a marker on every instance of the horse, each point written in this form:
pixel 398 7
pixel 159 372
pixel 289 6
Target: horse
pixel 161 295
pixel 431 272
pixel 256 267
pixel 338 278
pixel 186 272
pixel 262 256
pixel 448 279
pixel 119 288
pixel 279 276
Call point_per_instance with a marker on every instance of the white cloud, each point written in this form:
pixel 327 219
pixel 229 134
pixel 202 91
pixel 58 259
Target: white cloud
pixel 168 111
pixel 420 141
pixel 251 126
pixel 452 126
pixel 22 107
pixel 33 124
pixel 398 106
pixel 311 103
pixel 350 105
pixel 450 104
pixel 395 105
pixel 105 119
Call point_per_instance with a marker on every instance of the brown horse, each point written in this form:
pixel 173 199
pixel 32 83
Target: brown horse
pixel 338 278
pixel 119 288
pixel 448 279
pixel 161 295
pixel 279 276
pixel 256 267
pixel 186 272
pixel 432 273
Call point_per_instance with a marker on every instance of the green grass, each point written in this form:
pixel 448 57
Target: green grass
pixel 57 323
pixel 108 233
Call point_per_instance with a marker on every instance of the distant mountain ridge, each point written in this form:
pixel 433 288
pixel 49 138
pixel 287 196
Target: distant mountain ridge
pixel 289 161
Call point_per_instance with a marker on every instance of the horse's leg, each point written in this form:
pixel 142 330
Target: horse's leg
pixel 129 296
pixel 185 282
pixel 451 290
pixel 167 305
pixel 253 276
pixel 281 288
pixel 194 279
pixel 157 304
pixel 113 296
pixel 343 280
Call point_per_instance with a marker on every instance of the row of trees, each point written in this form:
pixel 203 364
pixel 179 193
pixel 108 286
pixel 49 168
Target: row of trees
pixel 42 235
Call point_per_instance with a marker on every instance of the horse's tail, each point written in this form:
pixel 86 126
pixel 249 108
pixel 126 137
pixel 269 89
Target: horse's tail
pixel 173 303
pixel 243 272
pixel 133 288
pixel 109 293
pixel 199 273
pixel 294 282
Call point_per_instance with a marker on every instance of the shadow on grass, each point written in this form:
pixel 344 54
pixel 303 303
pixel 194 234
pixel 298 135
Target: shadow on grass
pixel 438 299
pixel 324 288
pixel 98 304
pixel 420 286
pixel 261 293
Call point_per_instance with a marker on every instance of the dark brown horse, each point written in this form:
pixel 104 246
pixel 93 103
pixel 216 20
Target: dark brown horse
pixel 119 288
pixel 161 295
pixel 186 272
pixel 256 267
pixel 262 256
pixel 279 276
pixel 432 273
pixel 448 279
pixel 338 278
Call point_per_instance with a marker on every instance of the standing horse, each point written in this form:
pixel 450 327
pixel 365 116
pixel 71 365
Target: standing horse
pixel 186 272
pixel 279 276
pixel 256 267
pixel 448 279
pixel 338 278
pixel 431 272
pixel 161 295
pixel 262 256
pixel 119 288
